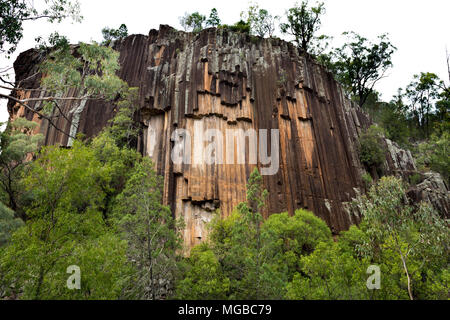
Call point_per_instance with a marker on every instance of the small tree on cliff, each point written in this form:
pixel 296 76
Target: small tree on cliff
pixel 261 22
pixel 193 22
pixel 213 20
pixel 303 23
pixel 360 64
pixel 110 34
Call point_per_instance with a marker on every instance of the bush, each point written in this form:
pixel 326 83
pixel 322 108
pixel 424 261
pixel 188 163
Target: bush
pixel 372 153
pixel 415 179
pixel 367 179
pixel 433 155
pixel 240 26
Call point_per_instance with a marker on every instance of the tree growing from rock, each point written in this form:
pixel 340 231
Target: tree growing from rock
pixel 261 22
pixel 110 34
pixel 360 64
pixel 303 22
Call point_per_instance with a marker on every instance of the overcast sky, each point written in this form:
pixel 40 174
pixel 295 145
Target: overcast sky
pixel 419 29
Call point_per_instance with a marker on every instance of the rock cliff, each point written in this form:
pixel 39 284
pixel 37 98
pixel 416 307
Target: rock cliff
pixel 218 79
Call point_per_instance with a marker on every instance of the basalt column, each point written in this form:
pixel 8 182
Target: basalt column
pixel 231 82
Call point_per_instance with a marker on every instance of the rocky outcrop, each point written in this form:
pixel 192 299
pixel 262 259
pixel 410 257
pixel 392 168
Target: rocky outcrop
pixel 218 79
pixel 433 190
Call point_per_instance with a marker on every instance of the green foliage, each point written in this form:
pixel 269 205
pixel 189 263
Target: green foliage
pixel 213 20
pixel 422 94
pixel 261 22
pixel 55 41
pixel 395 125
pixel 110 34
pixel 303 23
pixel 248 258
pixel 91 68
pixel 8 224
pixel 371 149
pixel 13 13
pixel 415 179
pixel 124 129
pixel 204 278
pixel 296 257
pixel 193 22
pixel 150 230
pixel 89 206
pixel 329 273
pixel 433 154
pixel 367 179
pixel 293 237
pixel 240 26
pixel 196 22
pixel 360 64
pixel 415 238
pixel 18 143
pixel 64 217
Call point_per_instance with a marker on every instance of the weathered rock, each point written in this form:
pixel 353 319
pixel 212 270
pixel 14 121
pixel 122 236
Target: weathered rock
pixel 218 79
pixel 399 161
pixel 433 190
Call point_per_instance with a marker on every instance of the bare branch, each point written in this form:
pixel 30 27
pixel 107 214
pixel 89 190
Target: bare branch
pixel 36 112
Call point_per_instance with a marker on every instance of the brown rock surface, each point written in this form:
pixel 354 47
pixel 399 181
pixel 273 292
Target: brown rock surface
pixel 224 80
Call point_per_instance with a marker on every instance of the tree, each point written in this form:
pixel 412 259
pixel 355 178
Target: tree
pixel 303 23
pixel 18 143
pixel 193 22
pixel 151 232
pixel 371 150
pixel 90 70
pixel 433 154
pixel 8 224
pixel 213 20
pixel 294 237
pixel 329 273
pixel 124 130
pixel 65 227
pixel 422 94
pixel 13 13
pixel 360 64
pixel 110 34
pixel 393 224
pixel 247 233
pixel 204 278
pixel 261 22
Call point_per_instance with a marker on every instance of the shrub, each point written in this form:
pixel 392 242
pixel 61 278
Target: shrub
pixel 371 149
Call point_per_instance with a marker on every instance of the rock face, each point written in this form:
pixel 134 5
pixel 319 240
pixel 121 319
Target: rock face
pixel 433 190
pixel 218 79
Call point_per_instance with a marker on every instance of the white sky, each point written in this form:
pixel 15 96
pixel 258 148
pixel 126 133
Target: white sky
pixel 419 29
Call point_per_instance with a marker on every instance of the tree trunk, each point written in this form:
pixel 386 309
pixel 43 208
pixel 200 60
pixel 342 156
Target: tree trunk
pixel 407 276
